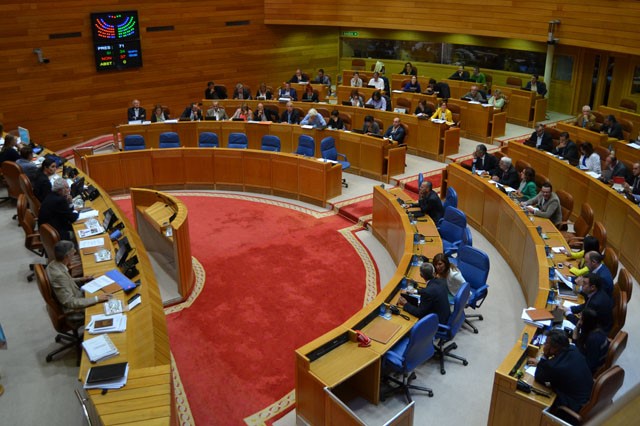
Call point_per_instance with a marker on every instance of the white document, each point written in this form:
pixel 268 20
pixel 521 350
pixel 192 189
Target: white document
pixel 594 175
pixel 88 214
pixel 568 304
pixel 90 232
pixel 94 242
pixel 119 324
pixel 558 250
pixel 99 348
pixel 96 284
pixel 634 145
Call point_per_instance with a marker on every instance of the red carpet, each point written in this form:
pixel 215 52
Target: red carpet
pixel 275 280
pixel 435 179
pixel 355 211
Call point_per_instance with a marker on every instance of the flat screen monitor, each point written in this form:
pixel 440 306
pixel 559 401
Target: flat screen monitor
pixel 116 40
pixel 109 219
pixel 123 251
pixel 25 139
pixel 77 187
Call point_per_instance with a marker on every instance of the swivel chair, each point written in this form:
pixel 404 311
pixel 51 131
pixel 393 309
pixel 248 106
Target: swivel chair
pixel 625 282
pixel 208 140
pixel 616 347
pixel 452 230
pixel 169 140
pixel 329 152
pixel 238 141
pixel 270 143
pixel 306 146
pixel 474 265
pixel 133 142
pixel 451 199
pixel 446 332
pixel 27 190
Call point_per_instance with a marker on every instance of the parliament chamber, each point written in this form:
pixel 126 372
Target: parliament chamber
pixel 65 100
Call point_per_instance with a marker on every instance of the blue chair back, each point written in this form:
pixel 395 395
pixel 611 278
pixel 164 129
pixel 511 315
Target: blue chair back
pixel 453 225
pixel 169 140
pixel 451 198
pixel 456 319
pixel 467 238
pixel 306 146
pixel 474 265
pixel 328 148
pixel 270 143
pixel 238 140
pixel 133 142
pixel 420 180
pixel 208 140
pixel 414 350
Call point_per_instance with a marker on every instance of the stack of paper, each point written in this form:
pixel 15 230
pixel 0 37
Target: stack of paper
pixel 107 324
pixel 97 284
pixel 112 376
pixel 88 214
pixel 113 306
pixel 90 231
pixel 100 348
pixel 94 242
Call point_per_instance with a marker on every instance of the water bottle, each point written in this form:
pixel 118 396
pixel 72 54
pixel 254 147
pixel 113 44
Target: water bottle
pixel 383 310
pixel 525 340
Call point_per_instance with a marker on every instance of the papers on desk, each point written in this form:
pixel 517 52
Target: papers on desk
pixel 566 287
pixel 397 91
pixel 88 214
pixel 135 122
pixel 175 120
pixel 325 160
pixel 437 120
pixel 474 102
pixel 307 126
pixel 100 348
pixel 508 189
pixel 112 376
pixel 530 369
pixel 97 284
pixel 113 307
pixel 568 304
pixel 527 319
pixel 487 105
pixel 94 242
pixel 91 230
pixel 107 324
pixel 558 250
pixel 634 145
pixel 593 174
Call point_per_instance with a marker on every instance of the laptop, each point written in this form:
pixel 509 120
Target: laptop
pixel 369 106
pixel 346 103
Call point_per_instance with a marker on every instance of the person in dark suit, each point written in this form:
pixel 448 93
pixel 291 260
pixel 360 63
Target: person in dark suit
pixel 241 92
pixel 396 132
pixel 262 114
pixel 42 182
pixel 632 185
pixel 593 261
pixel 429 202
pixel 540 139
pixel 299 77
pixel 483 161
pixel 287 92
pixel 56 211
pixel 546 204
pixel 263 93
pixel 613 168
pixel 192 113
pixel 565 369
pixel 433 298
pixel 591 340
pixel 335 122
pixel 136 112
pixel 214 92
pixel 595 298
pixel 8 151
pixel 460 74
pixel 567 149
pixel 536 86
pixel 612 128
pixel 506 174
pixel 290 115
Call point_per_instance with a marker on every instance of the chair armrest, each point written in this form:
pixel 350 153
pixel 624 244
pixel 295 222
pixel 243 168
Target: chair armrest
pixel 568 415
pixel 563 226
pixel 343 156
pixel 576 242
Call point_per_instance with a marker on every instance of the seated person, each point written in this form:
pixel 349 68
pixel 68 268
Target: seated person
pixel 565 369
pixel 591 340
pixel 244 113
pixel 355 98
pixel 589 244
pixel 290 115
pixel 586 119
pixel 335 122
pixel 546 204
pixel 567 149
pixel 214 92
pixel 593 261
pixel 42 182
pixel 356 81
pixel 632 185
pixel 136 112
pixel 443 113
pixel 412 85
pixel 595 298
pixel 497 100
pixel 376 81
pixel 483 161
pixel 378 101
pixel 613 168
pixel 309 94
pixel 217 112
pixel 287 92
pixel 313 118
pixel 449 272
pixel 540 139
pixel 424 109
pixel 299 77
pixel 9 150
pixel 429 202
pixel 409 69
pixel 192 113
pixel 65 287
pixel 527 188
pixel 506 174
pixel 241 92
pixel 262 114
pixel 611 127
pixel 535 85
pixel 370 126
pixel 589 160
pixel 56 211
pixel 474 95
pixel 158 115
pixel 434 297
pixel 460 74
pixel 396 132
pixel 322 78
pixel 26 163
pixel 479 77
pixel 263 93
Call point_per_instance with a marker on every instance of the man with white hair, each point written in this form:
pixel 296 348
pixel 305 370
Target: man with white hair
pixel 56 209
pixel 506 174
pixel 313 118
pixel 586 119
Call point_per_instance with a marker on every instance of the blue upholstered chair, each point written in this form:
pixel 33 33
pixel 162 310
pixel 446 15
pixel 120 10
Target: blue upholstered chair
pixel 208 140
pixel 270 143
pixel 169 140
pixel 451 198
pixel 238 140
pixel 474 265
pixel 408 354
pixel 453 230
pixel 446 332
pixel 133 142
pixel 329 152
pixel 306 146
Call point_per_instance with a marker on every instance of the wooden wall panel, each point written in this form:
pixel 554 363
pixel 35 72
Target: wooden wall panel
pixel 69 98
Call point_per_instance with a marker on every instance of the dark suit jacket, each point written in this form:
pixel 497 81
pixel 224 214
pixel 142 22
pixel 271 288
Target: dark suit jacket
pixel 569 377
pixel 131 114
pixel 267 95
pixel 546 144
pixel 41 186
pixel 509 177
pixel 599 302
pixel 431 205
pixel 292 94
pixel 270 115
pixel 540 85
pixel 614 131
pixel 434 299
pixel 217 93
pixel 245 94
pixel 489 163
pixel 397 135
pixel 294 119
pixel 56 212
pixel 186 114
pixel 607 279
pixel 569 152
pixel 464 76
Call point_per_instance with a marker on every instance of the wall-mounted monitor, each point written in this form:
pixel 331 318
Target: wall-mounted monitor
pixel 116 40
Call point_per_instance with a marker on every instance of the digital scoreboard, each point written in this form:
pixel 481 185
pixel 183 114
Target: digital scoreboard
pixel 116 40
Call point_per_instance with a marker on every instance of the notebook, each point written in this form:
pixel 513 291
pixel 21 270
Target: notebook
pixel 106 373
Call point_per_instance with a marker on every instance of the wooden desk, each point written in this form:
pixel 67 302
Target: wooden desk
pixel 347 369
pixel 479 122
pixel 625 152
pixel 285 175
pixel 633 117
pixel 414 98
pixel 300 88
pixel 397 81
pixel 524 108
pixel 144 345
pixel 343 93
pixel 580 135
pixel 347 75
pixel 153 210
